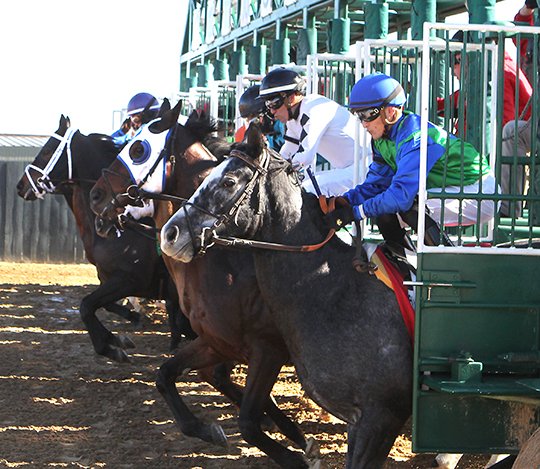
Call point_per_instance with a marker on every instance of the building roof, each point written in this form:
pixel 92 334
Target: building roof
pixel 17 140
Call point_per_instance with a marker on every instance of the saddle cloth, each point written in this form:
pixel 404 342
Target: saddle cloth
pixel 393 279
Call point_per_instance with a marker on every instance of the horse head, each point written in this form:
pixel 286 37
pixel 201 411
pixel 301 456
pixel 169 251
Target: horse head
pixel 38 176
pixel 67 158
pixel 228 201
pixel 165 156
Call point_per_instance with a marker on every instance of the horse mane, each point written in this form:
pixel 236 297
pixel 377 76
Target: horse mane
pixel 203 127
pixel 106 141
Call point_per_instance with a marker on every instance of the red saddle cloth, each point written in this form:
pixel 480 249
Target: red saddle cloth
pixel 392 278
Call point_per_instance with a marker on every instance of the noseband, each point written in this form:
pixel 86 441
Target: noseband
pixel 43 184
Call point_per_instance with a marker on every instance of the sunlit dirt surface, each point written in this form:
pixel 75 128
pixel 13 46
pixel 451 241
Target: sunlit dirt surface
pixel 61 405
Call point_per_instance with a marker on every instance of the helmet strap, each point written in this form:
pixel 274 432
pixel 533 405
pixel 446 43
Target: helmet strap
pixel 293 110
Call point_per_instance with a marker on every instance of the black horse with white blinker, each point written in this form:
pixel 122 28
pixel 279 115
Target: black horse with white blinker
pixel 129 265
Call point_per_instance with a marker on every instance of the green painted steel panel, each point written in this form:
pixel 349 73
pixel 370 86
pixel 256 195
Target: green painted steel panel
pixel 477 352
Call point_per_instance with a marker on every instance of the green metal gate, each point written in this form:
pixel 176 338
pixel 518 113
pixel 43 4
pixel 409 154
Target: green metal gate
pixel 477 338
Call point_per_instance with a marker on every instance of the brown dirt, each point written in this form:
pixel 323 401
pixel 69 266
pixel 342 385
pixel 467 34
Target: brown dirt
pixel 61 405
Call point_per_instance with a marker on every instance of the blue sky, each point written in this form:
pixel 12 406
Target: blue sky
pixel 86 59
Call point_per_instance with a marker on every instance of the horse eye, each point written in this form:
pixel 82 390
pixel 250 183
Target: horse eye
pixel 136 151
pixel 228 182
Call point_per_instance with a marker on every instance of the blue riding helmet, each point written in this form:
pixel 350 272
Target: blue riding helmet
pixel 142 102
pixel 375 91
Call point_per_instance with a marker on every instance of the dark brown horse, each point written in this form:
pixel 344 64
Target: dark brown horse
pixel 220 295
pixel 127 265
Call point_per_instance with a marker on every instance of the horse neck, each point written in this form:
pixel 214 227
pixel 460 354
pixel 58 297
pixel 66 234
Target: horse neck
pixel 84 217
pixel 289 214
pixel 89 157
pixel 191 169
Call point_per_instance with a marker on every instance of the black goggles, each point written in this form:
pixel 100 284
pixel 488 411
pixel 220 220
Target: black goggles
pixel 275 103
pixel 367 115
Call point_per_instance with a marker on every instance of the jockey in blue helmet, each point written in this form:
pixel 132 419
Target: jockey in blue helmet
pixel 141 109
pixel 145 105
pixel 392 182
pixel 373 93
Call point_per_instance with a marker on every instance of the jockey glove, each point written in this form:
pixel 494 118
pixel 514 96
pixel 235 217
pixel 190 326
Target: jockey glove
pixel 340 217
pixel 532 4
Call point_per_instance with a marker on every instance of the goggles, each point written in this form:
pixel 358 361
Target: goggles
pixel 275 103
pixel 367 115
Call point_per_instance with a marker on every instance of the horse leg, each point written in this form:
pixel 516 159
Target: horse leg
pixel 130 315
pixel 104 341
pixel 179 324
pixel 195 355
pixel 262 374
pixel 371 437
pixel 220 377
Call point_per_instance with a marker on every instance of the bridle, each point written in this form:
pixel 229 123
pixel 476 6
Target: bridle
pixel 43 184
pixel 209 237
pixel 134 192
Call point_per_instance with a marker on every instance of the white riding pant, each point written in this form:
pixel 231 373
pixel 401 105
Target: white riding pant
pixel 333 182
pixel 468 208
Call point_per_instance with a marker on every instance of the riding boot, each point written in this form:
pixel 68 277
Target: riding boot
pixel 393 234
pixel 397 244
pixel 433 235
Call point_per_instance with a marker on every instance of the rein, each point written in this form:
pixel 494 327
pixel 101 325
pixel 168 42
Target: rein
pixel 43 184
pixel 209 237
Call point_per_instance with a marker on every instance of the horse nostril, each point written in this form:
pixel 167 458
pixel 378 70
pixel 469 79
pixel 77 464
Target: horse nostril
pixel 96 195
pixel 171 234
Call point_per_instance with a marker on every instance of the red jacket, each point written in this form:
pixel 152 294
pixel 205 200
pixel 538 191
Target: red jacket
pixel 523 45
pixel 511 82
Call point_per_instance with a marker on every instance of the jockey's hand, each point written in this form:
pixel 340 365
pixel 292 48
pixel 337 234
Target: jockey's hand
pixel 126 125
pixel 338 218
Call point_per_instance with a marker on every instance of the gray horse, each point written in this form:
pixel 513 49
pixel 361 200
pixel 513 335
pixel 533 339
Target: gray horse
pixel 343 329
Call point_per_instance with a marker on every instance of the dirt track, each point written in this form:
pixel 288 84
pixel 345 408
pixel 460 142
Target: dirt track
pixel 61 405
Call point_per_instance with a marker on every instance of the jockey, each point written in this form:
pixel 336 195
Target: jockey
pixel 315 125
pixel 392 183
pixel 141 109
pixel 252 107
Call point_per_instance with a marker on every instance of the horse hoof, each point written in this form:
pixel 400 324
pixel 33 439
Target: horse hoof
pixel 218 435
pixel 118 355
pixel 123 341
pixel 446 460
pixel 313 450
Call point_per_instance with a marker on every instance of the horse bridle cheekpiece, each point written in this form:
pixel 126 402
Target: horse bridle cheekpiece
pixel 208 236
pixel 43 184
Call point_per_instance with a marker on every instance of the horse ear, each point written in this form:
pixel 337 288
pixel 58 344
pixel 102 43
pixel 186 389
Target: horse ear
pixel 255 138
pixel 169 118
pixel 64 122
pixel 165 106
